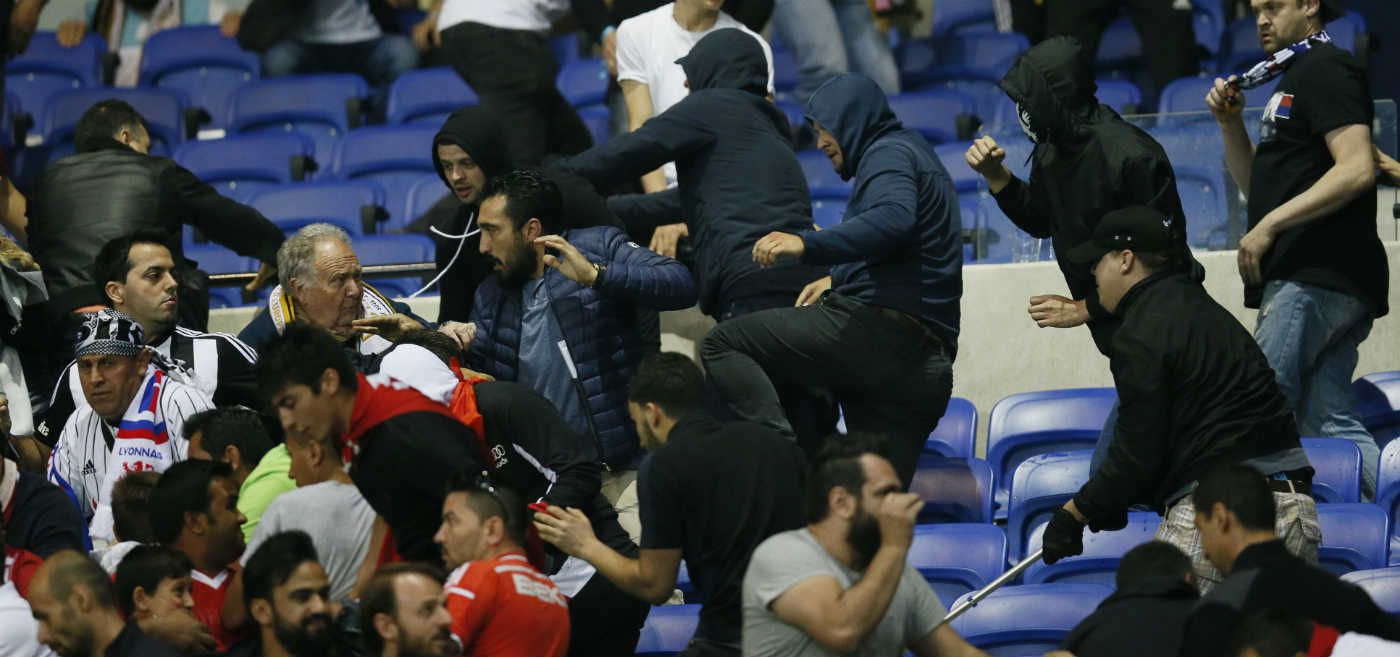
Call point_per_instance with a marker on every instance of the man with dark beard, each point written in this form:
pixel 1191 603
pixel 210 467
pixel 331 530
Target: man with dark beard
pixel 841 584
pixel 289 595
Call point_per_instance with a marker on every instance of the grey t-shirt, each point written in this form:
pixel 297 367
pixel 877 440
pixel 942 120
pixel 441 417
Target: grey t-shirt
pixel 786 559
pixel 338 22
pixel 542 365
pixel 339 521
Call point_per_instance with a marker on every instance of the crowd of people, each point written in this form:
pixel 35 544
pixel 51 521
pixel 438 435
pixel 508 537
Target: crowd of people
pixel 528 474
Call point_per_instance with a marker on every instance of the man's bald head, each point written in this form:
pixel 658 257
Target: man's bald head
pixel 71 598
pixel 66 570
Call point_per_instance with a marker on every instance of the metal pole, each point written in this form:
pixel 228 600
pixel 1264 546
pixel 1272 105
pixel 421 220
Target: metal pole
pixel 985 591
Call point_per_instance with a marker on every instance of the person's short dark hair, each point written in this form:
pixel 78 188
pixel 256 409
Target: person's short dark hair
pixel 1272 632
pixel 113 261
pixel 671 381
pixel 73 568
pixel 146 566
pixel 437 342
pixel 529 194
pixel 299 356
pixel 1155 262
pixel 378 597
pixel 489 500
pixel 838 464
pixel 239 426
pixel 131 510
pixel 100 124
pixel 273 563
pixel 1242 490
pixel 183 488
pixel 1152 559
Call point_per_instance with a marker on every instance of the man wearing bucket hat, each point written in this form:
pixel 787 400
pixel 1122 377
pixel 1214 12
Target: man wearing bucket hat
pixel 133 421
pixel 1194 393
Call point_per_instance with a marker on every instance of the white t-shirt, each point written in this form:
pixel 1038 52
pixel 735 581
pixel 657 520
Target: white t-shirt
pixel 527 15
pixel 19 632
pixel 648 46
pixel 339 21
pixel 339 521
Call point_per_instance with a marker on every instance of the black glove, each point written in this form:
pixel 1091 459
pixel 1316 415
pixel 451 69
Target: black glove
pixel 1109 523
pixel 1064 537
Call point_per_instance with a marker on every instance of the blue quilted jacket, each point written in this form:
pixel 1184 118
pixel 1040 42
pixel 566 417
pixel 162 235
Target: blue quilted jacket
pixel 599 325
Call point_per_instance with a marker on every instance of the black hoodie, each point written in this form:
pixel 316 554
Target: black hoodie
pixel 1088 162
pixel 739 179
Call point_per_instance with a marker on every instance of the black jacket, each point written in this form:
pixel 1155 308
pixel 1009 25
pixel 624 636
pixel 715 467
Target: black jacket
pixel 738 177
pixel 1144 618
pixel 1267 577
pixel 85 200
pixel 40 518
pixel 1194 391
pixel 1089 162
pixel 265 22
pixel 132 642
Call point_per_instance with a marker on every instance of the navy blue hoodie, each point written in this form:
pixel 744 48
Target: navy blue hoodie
pixel 738 177
pixel 899 245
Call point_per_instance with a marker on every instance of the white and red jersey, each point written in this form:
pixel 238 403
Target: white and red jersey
pixel 503 607
pixel 209 592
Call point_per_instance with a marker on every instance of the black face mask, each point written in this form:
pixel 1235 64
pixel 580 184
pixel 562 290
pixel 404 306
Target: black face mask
pixel 864 538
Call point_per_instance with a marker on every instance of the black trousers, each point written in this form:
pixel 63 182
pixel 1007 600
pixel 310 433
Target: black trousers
pixel 889 375
pixel 513 72
pixel 1168 35
pixel 604 620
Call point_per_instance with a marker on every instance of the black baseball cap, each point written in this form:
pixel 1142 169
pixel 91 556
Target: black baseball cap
pixel 1138 228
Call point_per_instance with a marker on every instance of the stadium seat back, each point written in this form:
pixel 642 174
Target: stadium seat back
pixel 82 62
pixel 668 630
pixel 321 106
pixel 1207 208
pixel 1388 495
pixel 395 157
pixel 933 113
pixel 1337 463
pixel 827 213
pixel 342 203
pixel 1122 95
pixel 423 195
pixel 243 160
pixel 1030 423
pixel 583 81
pixel 1354 537
pixel 1031 619
pixel 953 489
pixel 1102 552
pixel 1382 584
pixel 1042 483
pixel 163 111
pixel 1376 400
pixel 951 15
pixel 427 96
pixel 822 180
pixel 395 250
pixel 200 62
pixel 956 558
pixel 1120 48
pixel 956 433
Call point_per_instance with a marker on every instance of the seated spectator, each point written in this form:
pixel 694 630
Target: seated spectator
pixel 112 170
pixel 153 589
pixel 136 273
pixel 131 518
pixel 710 493
pixel 39 520
pixel 194 511
pixel 19 633
pixel 126 26
pixel 1156 590
pixel 326 505
pixel 841 584
pixel 400 447
pixel 73 600
pixel 1235 514
pixel 237 436
pixel 133 421
pixel 403 613
pixel 500 605
pixel 1273 633
pixel 289 596
pixel 329 36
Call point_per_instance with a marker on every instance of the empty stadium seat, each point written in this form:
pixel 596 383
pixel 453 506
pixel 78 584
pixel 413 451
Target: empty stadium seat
pixel 979 56
pixel 583 81
pixel 1207 207
pixel 1240 49
pixel 956 558
pixel 1354 537
pixel 1120 48
pixel 986 95
pixel 828 212
pixel 1382 584
pixel 423 195
pixel 427 96
pixel 45 68
pixel 1031 619
pixel 565 47
pixel 953 489
pixel 916 59
pixel 956 433
pixel 1337 463
pixel 163 111
pixel 793 111
pixel 951 15
pixel 668 630
pixel 1388 494
pixel 933 113
pixel 394 156
pixel 215 259
pixel 1041 484
pixel 822 180
pixel 321 106
pixel 1102 552
pixel 394 250
pixel 1122 95
pixel 344 203
pixel 598 120
pixel 1186 95
pixel 1376 399
pixel 785 75
pixel 952 157
pixel 243 164
pixel 200 62
pixel 1208 22
pixel 1030 423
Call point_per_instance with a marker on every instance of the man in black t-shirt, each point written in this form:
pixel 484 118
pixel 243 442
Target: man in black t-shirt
pixel 1312 261
pixel 710 492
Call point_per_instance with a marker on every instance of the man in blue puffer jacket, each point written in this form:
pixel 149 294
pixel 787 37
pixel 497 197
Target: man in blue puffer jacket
pixel 558 314
pixel 882 330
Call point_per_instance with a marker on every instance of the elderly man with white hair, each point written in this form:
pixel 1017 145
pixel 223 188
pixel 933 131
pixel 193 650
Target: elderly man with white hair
pixel 320 282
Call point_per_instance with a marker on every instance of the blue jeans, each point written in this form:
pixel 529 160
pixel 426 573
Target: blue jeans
pixel 830 37
pixel 1310 336
pixel 378 61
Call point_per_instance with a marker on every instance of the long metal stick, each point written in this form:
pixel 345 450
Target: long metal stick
pixel 985 591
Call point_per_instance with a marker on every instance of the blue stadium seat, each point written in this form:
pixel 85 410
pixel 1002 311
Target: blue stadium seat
pixel 321 106
pixel 245 163
pixel 394 156
pixel 427 96
pixel 583 81
pixel 215 259
pixel 1122 95
pixel 200 62
pixel 1354 537
pixel 46 68
pixel 1030 423
pixel 1382 584
pixel 1337 462
pixel 1207 207
pixel 1348 31
pixel 1102 552
pixel 953 489
pixel 565 47
pixel 828 212
pixel 1388 495
pixel 598 120
pixel 1187 95
pixel 1240 48
pixel 952 157
pixel 979 56
pixel 986 95
pixel 956 558
pixel 668 630
pixel 915 59
pixel 422 195
pixel 785 76
pixel 1376 399
pixel 1031 619
pixel 956 433
pixel 1120 49
pixel 52 137
pixel 343 203
pixel 394 250
pixel 822 180
pixel 1208 21
pixel 1042 483
pixel 951 15
pixel 933 113
pixel 793 111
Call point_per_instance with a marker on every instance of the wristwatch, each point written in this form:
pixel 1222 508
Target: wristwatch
pixel 601 269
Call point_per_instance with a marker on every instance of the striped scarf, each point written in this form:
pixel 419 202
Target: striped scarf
pixel 141 444
pixel 1279 62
